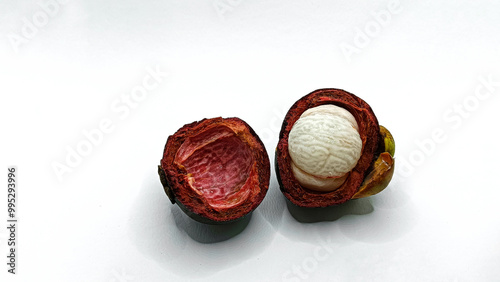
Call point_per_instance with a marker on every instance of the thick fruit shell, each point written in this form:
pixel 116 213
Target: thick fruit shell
pixel 217 170
pixel 370 137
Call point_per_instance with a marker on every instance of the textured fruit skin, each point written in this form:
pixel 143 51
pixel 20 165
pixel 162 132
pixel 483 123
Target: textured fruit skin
pixel 370 137
pixel 175 180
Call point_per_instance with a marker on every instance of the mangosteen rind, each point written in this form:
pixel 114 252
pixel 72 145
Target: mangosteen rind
pixel 197 159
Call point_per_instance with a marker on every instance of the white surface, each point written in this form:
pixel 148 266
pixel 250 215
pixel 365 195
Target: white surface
pixel 324 142
pixel 109 220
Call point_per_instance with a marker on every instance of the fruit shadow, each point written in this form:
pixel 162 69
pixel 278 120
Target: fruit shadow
pixel 271 210
pixel 208 233
pixel 162 233
pixel 333 213
pixel 381 218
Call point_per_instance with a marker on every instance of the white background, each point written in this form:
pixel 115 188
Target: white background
pixel 65 69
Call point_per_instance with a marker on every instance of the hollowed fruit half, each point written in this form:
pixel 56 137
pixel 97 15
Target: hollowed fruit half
pixel 217 170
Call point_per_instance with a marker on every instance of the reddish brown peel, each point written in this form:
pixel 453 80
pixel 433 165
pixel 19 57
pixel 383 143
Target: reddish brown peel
pixel 370 137
pixel 216 169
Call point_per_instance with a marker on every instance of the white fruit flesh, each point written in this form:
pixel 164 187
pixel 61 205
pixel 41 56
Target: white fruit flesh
pixel 324 145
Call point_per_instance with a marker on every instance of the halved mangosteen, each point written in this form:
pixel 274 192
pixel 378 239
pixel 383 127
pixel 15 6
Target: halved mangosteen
pixel 217 170
pixel 331 149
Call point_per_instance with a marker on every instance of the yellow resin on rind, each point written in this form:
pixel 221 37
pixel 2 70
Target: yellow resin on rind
pixel 383 169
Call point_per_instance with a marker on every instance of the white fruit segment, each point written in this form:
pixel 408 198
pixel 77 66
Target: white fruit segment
pixel 324 145
pixel 316 183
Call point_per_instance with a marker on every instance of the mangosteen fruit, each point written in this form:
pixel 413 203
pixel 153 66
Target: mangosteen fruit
pixel 217 170
pixel 332 149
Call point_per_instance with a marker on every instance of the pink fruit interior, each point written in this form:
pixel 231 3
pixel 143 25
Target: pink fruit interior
pixel 218 164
